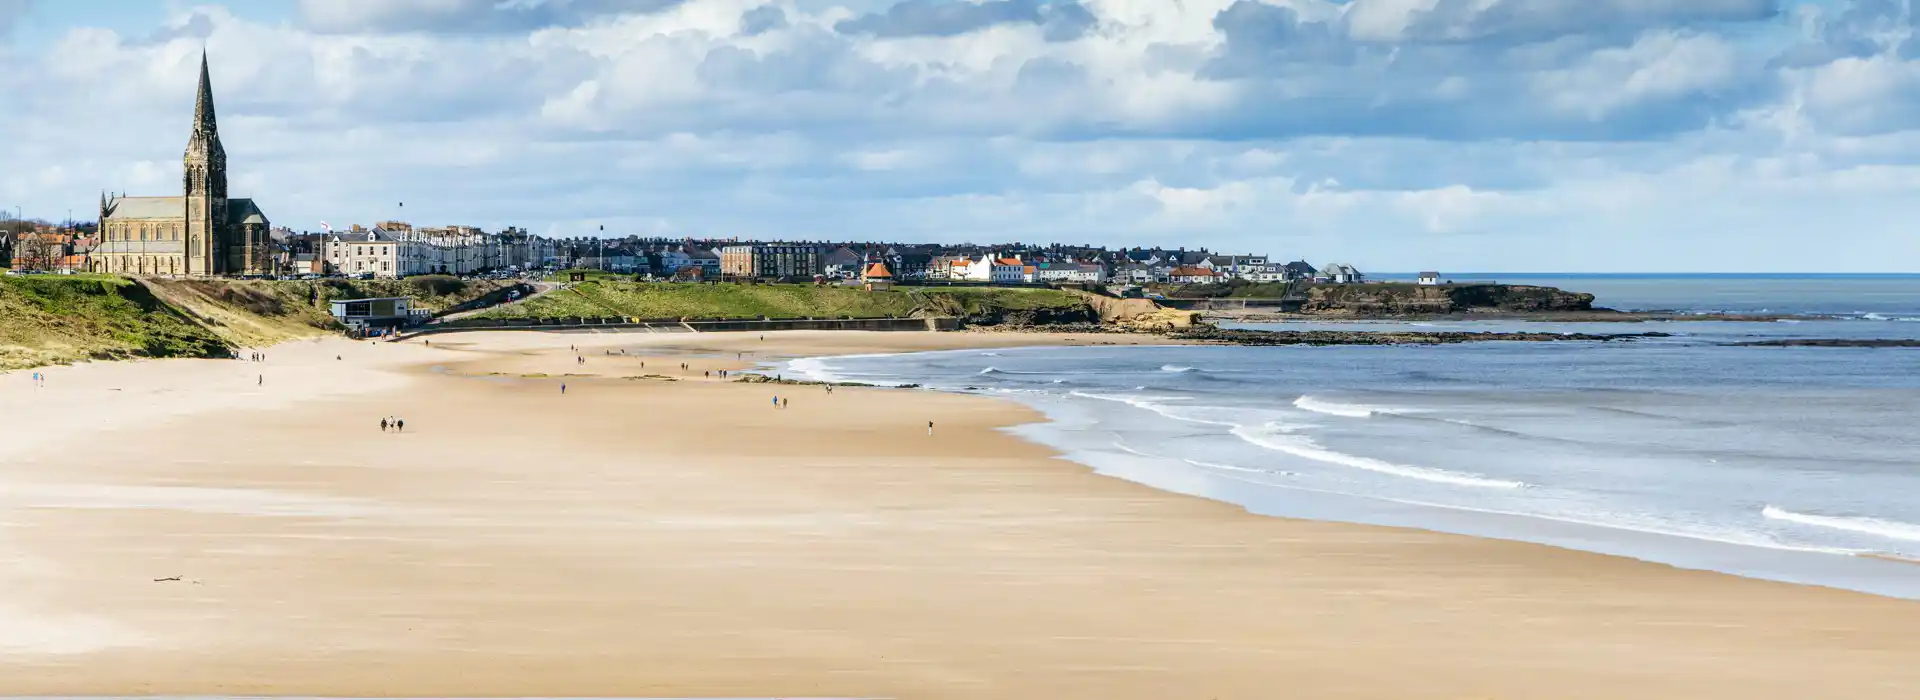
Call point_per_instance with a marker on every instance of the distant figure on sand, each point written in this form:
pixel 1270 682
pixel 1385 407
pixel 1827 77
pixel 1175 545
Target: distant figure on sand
pixel 563 388
pixel 399 426
pixel 776 402
pixel 929 427
pixel 783 403
pixel 383 425
pixel 262 381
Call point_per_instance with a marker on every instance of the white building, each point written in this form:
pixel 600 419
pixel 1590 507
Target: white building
pixel 1429 278
pixel 1341 273
pixel 396 249
pixel 1070 272
pixel 1010 271
pixel 363 252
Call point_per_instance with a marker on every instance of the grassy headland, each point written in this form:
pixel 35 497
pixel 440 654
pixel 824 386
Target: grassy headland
pixel 54 319
pixel 608 299
pixel 48 320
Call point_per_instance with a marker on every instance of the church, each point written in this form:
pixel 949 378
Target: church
pixel 202 232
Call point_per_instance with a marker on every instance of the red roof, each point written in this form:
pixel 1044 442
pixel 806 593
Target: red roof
pixel 1193 272
pixel 878 270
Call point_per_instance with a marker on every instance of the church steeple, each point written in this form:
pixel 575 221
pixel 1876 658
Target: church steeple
pixel 204 178
pixel 203 105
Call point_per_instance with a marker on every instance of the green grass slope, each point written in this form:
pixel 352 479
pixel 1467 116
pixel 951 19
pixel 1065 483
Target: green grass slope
pixel 603 299
pixel 54 319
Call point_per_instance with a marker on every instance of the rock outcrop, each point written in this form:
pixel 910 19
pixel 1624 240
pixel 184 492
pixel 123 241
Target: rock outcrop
pixel 1399 299
pixel 1211 334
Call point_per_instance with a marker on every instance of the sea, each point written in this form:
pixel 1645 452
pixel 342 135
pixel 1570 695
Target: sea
pixel 1798 464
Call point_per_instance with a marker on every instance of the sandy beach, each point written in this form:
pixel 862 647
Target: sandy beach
pixel 188 527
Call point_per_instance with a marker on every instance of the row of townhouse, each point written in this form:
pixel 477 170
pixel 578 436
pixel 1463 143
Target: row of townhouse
pixel 1222 268
pixel 1017 266
pixel 395 249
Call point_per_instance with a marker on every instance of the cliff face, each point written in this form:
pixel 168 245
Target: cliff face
pixel 1395 299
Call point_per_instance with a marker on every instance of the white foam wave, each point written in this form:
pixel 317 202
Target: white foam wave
pixel 1874 317
pixel 989 354
pixel 1176 368
pixel 1333 408
pixel 1279 438
pixel 1232 468
pixel 1890 529
pixel 1158 405
pixel 997 370
pixel 816 369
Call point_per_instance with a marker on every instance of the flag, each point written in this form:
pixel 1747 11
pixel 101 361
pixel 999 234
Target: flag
pixel 324 225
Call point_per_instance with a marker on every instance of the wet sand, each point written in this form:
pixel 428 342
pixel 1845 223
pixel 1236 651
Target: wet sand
pixel 681 537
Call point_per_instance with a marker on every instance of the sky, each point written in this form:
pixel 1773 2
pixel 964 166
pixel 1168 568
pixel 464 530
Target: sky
pixel 1396 135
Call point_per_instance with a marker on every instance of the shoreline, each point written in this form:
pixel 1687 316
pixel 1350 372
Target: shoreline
pixel 1782 564
pixel 676 536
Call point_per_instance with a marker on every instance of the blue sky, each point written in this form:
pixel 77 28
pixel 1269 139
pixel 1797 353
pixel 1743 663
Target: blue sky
pixel 1520 135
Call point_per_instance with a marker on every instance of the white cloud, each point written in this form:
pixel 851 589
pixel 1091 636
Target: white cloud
pixel 1392 133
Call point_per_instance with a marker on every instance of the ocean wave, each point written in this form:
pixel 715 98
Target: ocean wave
pixel 1232 468
pixel 997 370
pixel 1176 368
pixel 1186 413
pixel 813 369
pixel 816 369
pixel 1890 529
pixel 1333 408
pixel 1279 438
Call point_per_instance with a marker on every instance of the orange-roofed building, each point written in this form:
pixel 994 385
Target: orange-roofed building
pixel 878 277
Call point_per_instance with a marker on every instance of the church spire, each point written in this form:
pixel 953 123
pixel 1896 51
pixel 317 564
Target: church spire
pixel 203 106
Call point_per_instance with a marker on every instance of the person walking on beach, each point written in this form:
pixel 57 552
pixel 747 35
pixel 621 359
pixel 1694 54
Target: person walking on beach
pixel 399 425
pixel 929 427
pixel 776 402
pixel 383 425
pixel 563 390
pixel 262 381
pixel 783 403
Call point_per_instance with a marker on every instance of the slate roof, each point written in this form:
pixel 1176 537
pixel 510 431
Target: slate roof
pixel 238 210
pixel 146 207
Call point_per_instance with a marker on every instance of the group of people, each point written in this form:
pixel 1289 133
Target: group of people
pixel 257 356
pixel 393 423
pixel 39 379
